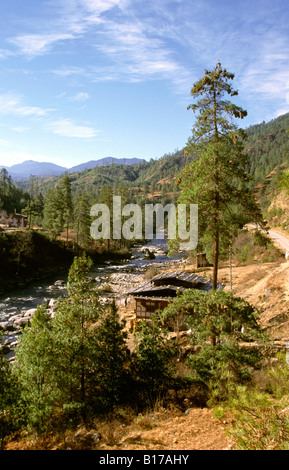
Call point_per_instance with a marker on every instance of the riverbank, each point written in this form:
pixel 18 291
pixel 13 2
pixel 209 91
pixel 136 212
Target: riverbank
pixel 29 257
pixel 113 274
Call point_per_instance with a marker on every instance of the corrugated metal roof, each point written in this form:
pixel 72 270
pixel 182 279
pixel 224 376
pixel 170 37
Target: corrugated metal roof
pixel 180 275
pixel 190 280
pixel 152 288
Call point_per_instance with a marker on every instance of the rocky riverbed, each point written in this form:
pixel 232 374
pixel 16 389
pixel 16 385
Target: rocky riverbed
pixel 113 282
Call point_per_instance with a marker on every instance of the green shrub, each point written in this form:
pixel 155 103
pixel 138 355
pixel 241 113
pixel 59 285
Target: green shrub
pixel 260 422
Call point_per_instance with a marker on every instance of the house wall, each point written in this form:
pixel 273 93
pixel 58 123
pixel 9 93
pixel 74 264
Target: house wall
pixel 13 220
pixel 145 308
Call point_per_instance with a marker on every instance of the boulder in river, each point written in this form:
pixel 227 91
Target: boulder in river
pixel 5 326
pixel 30 313
pixel 21 322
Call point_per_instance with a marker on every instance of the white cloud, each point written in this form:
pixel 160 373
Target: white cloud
pixel 81 96
pixel 69 71
pixel 67 128
pixel 72 18
pixel 20 129
pixel 11 104
pixel 133 48
pixel 99 6
pixel 5 53
pixel 172 40
pixel 33 45
pixel 281 111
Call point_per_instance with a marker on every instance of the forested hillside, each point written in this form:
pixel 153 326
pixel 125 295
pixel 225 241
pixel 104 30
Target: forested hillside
pixel 151 177
pixel 268 149
pixel 267 146
pixel 154 180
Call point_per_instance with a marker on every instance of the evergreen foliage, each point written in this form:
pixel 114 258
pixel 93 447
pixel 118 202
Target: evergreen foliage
pixel 53 216
pixel 223 328
pixel 72 366
pixel 11 412
pixel 74 329
pixel 34 208
pixel 67 203
pixel 153 363
pixel 12 198
pixel 35 366
pixel 216 178
pixel 82 220
pixel 112 361
pixel 268 149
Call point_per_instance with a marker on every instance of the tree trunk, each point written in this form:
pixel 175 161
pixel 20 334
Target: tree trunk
pixel 216 261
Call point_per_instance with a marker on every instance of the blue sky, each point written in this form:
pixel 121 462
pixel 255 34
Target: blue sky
pixel 86 79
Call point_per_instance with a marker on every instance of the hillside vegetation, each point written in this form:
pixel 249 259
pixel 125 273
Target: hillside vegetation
pixel 28 256
pixel 83 379
pixel 152 178
pixel 267 146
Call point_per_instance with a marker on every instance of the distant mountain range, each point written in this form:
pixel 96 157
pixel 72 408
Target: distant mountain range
pixel 42 169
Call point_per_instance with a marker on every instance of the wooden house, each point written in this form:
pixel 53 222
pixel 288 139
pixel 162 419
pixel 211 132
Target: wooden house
pixel 156 293
pixel 13 220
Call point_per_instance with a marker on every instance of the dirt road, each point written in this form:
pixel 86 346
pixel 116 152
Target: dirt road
pixel 282 240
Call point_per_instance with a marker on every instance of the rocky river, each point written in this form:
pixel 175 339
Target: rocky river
pixel 113 281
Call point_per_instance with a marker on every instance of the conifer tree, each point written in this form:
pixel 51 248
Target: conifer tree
pixel 121 191
pixel 35 367
pixel 34 208
pixel 217 179
pixel 106 197
pixel 82 220
pixel 222 327
pixel 5 182
pixel 153 358
pixel 10 404
pixel 112 355
pixel 75 336
pixel 53 217
pixel 67 203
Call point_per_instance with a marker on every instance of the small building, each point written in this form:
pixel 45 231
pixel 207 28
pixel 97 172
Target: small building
pixel 13 220
pixel 155 294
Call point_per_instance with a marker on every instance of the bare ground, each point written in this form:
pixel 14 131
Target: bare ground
pixel 265 285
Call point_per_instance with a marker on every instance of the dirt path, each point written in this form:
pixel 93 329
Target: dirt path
pixel 281 239
pixel 197 429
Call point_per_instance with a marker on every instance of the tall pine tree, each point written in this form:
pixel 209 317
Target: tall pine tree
pixel 217 179
pixel 75 339
pixel 82 220
pixel 35 367
pixel 67 203
pixel 53 215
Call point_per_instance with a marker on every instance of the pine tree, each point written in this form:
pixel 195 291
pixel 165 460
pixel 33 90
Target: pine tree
pixel 121 191
pixel 34 208
pixel 217 178
pixel 112 355
pixel 35 367
pixel 153 358
pixel 82 220
pixel 222 326
pixel 67 202
pixel 5 182
pixel 75 335
pixel 106 197
pixel 53 216
pixel 10 404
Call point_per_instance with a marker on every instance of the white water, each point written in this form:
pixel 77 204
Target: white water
pixel 21 300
